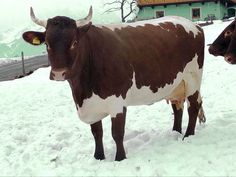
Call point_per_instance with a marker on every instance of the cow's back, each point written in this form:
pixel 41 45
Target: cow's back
pixel 147 55
pixel 161 49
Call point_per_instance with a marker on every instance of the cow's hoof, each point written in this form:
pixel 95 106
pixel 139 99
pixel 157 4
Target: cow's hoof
pixel 99 156
pixel 187 135
pixel 177 130
pixel 120 158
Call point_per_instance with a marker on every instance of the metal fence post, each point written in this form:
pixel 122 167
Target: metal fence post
pixel 23 63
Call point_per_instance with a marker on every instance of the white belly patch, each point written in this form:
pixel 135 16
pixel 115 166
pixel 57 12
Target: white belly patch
pixel 185 84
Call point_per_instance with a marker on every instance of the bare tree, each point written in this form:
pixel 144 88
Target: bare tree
pixel 120 5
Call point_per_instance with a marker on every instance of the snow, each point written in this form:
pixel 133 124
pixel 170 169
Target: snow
pixel 5 61
pixel 15 19
pixel 16 13
pixel 41 134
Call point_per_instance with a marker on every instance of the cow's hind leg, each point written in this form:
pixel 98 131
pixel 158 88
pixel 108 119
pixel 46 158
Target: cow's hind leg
pixel 178 113
pixel 97 132
pixel 201 115
pixel 194 104
pixel 118 131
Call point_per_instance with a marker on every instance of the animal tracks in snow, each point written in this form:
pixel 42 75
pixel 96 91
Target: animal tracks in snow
pixel 136 139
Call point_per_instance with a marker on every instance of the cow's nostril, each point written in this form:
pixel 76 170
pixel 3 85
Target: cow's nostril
pixel 211 50
pixel 229 59
pixel 52 75
pixel 58 74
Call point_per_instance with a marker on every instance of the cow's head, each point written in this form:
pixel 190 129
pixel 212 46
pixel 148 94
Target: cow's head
pixel 62 38
pixel 225 44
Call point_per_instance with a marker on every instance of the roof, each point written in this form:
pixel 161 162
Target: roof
pixel 142 3
pixel 233 7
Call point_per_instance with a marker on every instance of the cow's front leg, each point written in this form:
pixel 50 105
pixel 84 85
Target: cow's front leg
pixel 97 132
pixel 118 131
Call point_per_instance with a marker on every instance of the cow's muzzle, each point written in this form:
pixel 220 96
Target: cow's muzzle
pixel 58 74
pixel 216 51
pixel 212 50
pixel 229 58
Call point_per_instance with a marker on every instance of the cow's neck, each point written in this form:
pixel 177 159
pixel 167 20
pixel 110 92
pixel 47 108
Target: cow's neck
pixel 80 83
pixel 99 73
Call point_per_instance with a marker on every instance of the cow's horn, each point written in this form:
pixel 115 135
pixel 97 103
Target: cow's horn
pixel 86 20
pixel 42 23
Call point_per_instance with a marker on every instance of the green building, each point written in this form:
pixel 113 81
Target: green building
pixel 194 10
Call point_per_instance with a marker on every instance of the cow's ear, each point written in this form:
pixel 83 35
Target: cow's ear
pixel 34 38
pixel 83 29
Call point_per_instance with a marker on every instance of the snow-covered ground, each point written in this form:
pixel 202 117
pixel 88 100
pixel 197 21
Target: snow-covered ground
pixel 41 135
pixel 5 61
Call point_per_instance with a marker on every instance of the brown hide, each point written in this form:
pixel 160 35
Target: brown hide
pixel 225 44
pixel 155 53
pixel 220 45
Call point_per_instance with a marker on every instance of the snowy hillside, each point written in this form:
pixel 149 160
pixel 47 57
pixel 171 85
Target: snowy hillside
pixel 15 19
pixel 41 135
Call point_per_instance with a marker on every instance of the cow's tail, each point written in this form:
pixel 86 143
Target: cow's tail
pixel 201 115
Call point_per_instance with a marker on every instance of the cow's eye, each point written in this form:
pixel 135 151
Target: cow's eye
pixel 73 45
pixel 228 33
pixel 47 45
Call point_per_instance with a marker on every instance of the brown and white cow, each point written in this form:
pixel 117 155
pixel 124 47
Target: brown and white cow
pixel 110 67
pixel 225 44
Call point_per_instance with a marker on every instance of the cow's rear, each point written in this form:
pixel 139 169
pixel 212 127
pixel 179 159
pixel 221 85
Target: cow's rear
pixel 166 63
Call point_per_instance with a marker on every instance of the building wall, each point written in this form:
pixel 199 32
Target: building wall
pixel 184 10
pixel 231 11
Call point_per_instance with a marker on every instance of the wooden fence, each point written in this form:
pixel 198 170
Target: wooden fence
pixel 22 68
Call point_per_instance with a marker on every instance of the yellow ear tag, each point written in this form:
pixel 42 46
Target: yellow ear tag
pixel 36 41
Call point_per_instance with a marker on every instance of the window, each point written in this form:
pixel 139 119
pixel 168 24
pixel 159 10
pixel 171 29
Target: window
pixel 196 13
pixel 160 14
